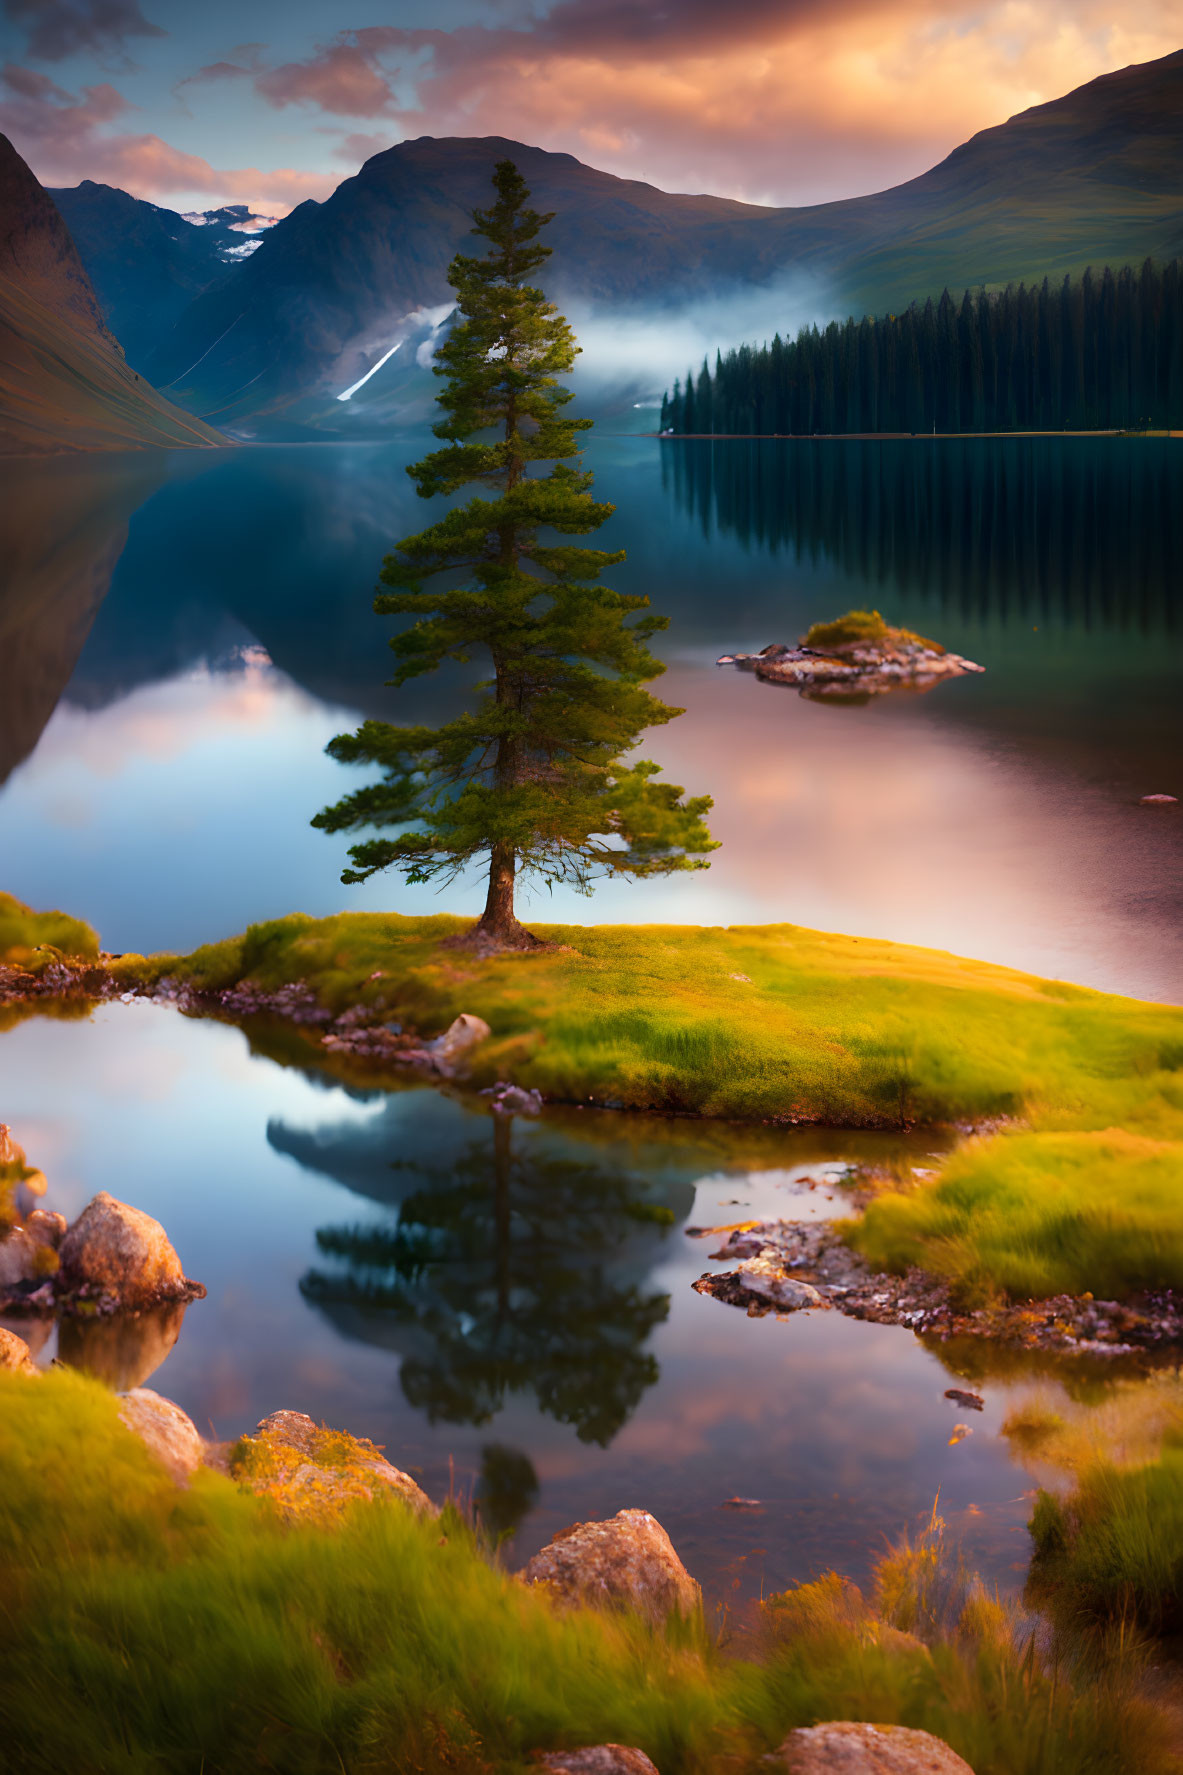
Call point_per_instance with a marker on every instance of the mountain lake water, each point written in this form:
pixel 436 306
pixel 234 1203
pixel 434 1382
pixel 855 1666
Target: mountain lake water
pixel 505 1305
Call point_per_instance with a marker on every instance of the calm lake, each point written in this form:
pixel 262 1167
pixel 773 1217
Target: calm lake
pixel 180 636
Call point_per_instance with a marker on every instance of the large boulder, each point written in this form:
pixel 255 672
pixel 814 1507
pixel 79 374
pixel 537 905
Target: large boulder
pixel 165 1431
pixel 314 1472
pixel 15 1355
pixel 124 1255
pixel 850 1747
pixel 597 1759
pixel 628 1563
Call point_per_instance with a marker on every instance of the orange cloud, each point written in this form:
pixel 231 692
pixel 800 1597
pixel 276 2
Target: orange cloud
pixel 63 139
pixel 773 102
pixel 777 101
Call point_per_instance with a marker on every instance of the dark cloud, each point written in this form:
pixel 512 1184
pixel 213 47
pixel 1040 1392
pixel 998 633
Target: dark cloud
pixel 60 28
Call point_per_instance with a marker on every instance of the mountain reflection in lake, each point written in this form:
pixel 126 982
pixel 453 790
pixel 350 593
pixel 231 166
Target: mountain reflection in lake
pixel 507 1306
pixel 169 795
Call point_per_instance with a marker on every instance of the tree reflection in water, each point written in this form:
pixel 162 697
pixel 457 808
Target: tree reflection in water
pixel 505 1264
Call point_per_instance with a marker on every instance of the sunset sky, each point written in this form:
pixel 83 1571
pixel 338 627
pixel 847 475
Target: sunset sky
pixel 776 101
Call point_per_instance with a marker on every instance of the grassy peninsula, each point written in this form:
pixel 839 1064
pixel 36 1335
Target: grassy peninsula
pixel 1080 1193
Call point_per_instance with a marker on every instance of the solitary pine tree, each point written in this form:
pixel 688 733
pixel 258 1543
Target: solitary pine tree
pixel 532 777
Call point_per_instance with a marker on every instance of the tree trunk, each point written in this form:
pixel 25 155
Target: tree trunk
pixel 498 925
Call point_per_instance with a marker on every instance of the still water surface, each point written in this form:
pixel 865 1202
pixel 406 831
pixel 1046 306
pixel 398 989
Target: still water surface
pixel 178 639
pixel 449 1283
pixel 165 743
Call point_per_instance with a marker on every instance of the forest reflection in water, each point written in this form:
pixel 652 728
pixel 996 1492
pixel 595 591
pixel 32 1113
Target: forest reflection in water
pixel 1086 532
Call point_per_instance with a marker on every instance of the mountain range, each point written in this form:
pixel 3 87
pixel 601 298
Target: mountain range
pixel 64 381
pixel 325 324
pixel 147 263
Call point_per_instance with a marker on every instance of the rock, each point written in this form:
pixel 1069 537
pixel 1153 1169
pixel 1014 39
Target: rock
pixel 597 1759
pixel 461 1036
pixel 311 1471
pixel 46 1228
pixel 164 1429
pixel 33 1329
pixel 628 1562
pixel 1158 800
pixel 766 1276
pixel 514 1100
pixel 847 1747
pixel 28 1253
pixel 16 1259
pixel 122 1253
pixel 120 1349
pixel 15 1355
pixel 855 671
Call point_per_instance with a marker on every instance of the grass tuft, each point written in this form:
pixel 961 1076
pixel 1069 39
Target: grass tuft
pixel 1037 1214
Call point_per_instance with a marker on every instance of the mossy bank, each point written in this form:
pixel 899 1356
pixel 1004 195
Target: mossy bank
pixel 1079 1192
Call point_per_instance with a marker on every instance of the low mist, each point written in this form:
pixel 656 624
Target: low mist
pixel 631 356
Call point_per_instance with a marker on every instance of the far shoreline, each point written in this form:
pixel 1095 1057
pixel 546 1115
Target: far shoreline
pixel 841 437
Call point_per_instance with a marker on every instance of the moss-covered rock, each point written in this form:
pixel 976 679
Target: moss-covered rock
pixel 314 1472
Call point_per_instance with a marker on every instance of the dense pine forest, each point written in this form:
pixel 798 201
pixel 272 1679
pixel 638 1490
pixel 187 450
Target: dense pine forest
pixel 1102 352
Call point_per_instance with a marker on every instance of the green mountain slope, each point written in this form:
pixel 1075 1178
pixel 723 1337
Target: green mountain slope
pixel 1094 178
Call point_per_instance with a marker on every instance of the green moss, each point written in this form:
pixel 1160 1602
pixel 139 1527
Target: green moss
pixel 862 626
pixel 193 1629
pixel 30 937
pixel 1035 1214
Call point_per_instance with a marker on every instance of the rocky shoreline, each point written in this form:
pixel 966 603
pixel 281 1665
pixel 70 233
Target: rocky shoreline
pixel 781 1266
pixel 359 1033
pixel 312 1476
pixel 786 1266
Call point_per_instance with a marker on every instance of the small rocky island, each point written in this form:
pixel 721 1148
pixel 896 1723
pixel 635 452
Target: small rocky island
pixel 853 658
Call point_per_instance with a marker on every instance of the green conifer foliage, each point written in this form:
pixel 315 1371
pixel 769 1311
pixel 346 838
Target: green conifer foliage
pixel 533 777
pixel 1099 353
